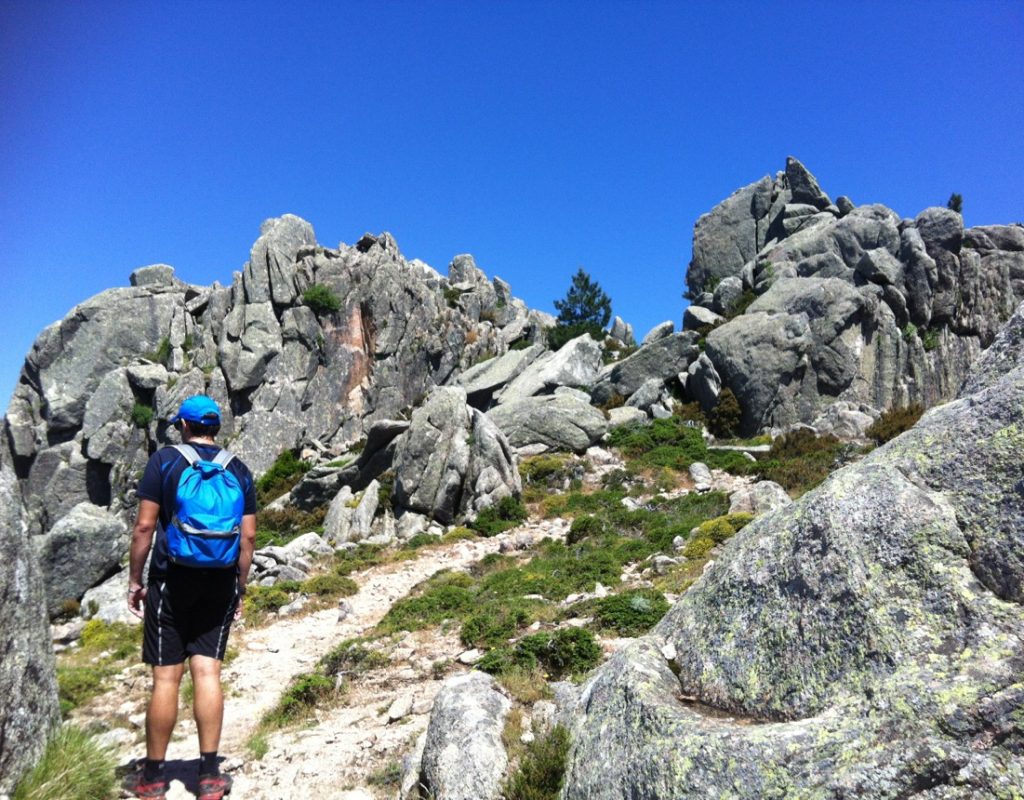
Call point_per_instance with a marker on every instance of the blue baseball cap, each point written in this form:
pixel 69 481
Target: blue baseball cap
pixel 198 408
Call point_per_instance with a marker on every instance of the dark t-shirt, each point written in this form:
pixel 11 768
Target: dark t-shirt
pixel 160 484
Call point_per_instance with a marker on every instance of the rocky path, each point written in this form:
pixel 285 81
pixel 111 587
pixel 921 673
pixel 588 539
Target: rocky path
pixel 347 751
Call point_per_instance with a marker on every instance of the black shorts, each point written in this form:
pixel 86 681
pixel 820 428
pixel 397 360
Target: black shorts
pixel 188 612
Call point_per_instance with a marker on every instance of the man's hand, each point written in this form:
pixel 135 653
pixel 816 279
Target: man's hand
pixel 241 603
pixel 137 599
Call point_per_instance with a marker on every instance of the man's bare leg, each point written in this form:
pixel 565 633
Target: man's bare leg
pixel 163 710
pixel 208 707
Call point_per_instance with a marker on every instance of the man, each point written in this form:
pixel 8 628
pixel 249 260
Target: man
pixel 187 610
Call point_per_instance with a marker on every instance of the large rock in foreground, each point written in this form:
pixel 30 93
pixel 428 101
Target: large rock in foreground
pixel 464 758
pixel 27 673
pixel 867 641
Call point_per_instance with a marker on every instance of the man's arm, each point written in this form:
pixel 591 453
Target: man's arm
pixel 142 540
pixel 246 548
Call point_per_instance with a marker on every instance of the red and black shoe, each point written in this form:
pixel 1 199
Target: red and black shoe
pixel 135 783
pixel 214 787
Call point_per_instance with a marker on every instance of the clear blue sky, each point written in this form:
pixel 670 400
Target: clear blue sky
pixel 539 136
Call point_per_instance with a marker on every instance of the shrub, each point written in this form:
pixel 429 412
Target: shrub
pixel 330 585
pixel 363 557
pixel 894 422
pixel 386 488
pixel 280 527
pixel 726 417
pixel 142 415
pixel 78 684
pixel 321 299
pixel 631 613
pixel 930 339
pixel 445 596
pixel 506 513
pixel 118 639
pixel 909 332
pixel 800 460
pixel 956 203
pixel 583 527
pixel 548 469
pixel 568 651
pixel 73 767
pixel 541 770
pixel 284 473
pixel 352 657
pixel 452 296
pixel 267 599
pixel 525 685
pixel 698 546
pixel 303 694
pixel 497 621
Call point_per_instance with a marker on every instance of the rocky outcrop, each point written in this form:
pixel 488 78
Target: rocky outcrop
pixel 550 422
pixel 27 672
pixel 867 640
pixel 463 755
pixel 855 305
pixel 453 460
pixel 288 372
pixel 663 359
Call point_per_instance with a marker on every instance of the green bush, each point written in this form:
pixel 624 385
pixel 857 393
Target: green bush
pixel 284 473
pixel 78 684
pixel 568 651
pixel 631 613
pixel 894 422
pixel 726 417
pixel 142 415
pixel 548 469
pixel 445 596
pixel 303 694
pixel 584 526
pixel 497 621
pixel 321 299
pixel 330 585
pixel 73 767
pixel 930 339
pixel 800 460
pixel 278 527
pixel 352 657
pixel 363 557
pixel 506 513
pixel 541 770
pixel 266 599
pixel 698 546
pixel 909 332
pixel 118 639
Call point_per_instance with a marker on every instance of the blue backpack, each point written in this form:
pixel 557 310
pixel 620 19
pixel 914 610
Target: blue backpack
pixel 206 530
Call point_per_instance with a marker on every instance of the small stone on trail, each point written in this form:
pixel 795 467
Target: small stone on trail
pixel 470 657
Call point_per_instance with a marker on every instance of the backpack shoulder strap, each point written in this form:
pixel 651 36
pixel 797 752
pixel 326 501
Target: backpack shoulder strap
pixel 223 458
pixel 188 452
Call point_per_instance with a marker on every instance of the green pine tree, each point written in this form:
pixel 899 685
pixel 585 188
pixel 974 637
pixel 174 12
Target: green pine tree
pixel 585 309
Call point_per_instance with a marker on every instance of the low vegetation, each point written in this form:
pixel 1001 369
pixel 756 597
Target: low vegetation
pixel 284 473
pixel 103 651
pixel 894 422
pixel 321 300
pixel 800 460
pixel 506 513
pixel 73 767
pixel 541 769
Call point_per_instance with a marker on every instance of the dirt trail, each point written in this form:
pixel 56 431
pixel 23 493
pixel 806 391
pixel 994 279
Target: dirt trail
pixel 336 755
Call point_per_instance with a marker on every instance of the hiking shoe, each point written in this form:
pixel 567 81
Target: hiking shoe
pixel 135 783
pixel 214 787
